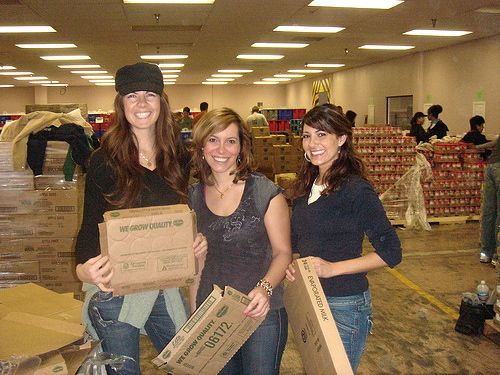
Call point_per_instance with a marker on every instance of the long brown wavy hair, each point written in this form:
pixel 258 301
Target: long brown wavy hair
pixel 328 119
pixel 214 122
pixel 120 144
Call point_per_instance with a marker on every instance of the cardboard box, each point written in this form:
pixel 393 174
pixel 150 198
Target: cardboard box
pixel 48 225
pixel 315 332
pixel 36 248
pixel 211 336
pixel 38 201
pixel 259 131
pixel 150 248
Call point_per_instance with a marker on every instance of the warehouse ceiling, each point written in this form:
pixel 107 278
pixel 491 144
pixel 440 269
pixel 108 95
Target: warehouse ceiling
pixel 114 34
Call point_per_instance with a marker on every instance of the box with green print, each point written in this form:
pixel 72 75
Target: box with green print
pixel 149 248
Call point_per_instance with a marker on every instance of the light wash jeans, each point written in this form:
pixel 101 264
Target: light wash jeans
pixel 261 354
pixel 122 338
pixel 353 317
pixel 490 210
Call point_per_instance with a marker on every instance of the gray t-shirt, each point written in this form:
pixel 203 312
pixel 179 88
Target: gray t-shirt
pixel 239 251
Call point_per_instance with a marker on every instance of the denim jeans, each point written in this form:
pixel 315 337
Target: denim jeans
pixel 490 218
pixel 353 317
pixel 122 338
pixel 261 354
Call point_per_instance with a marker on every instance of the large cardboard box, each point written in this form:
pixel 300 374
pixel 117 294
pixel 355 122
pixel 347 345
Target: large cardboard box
pixel 211 336
pixel 150 248
pixel 315 332
pixel 38 201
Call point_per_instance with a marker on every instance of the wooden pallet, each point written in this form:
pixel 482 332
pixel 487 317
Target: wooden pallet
pixel 442 220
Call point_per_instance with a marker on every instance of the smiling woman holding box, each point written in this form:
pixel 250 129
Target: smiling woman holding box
pixel 136 166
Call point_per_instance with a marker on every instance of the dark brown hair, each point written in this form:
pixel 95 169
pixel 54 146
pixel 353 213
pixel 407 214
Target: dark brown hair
pixel 213 122
pixel 328 119
pixel 120 144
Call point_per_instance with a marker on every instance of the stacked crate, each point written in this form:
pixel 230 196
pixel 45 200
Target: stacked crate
pixel 283 119
pixel 455 189
pixel 100 122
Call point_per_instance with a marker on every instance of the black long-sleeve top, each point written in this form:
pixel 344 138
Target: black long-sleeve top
pixel 440 129
pixel 333 228
pixel 100 180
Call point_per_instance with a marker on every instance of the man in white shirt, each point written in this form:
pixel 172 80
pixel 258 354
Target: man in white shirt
pixel 256 118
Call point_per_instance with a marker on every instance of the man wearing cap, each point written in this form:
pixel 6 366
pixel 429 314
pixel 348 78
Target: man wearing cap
pixel 256 119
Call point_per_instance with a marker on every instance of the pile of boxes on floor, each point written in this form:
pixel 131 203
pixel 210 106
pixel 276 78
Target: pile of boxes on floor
pixel 283 119
pixel 39 219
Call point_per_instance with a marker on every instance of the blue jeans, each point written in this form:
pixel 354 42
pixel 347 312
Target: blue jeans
pixel 490 217
pixel 353 317
pixel 122 338
pixel 261 354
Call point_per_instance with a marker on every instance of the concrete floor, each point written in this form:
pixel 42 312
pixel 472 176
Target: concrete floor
pixel 415 310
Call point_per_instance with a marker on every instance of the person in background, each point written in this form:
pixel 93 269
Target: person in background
pixel 246 221
pixel 186 120
pixel 256 118
pixel 340 109
pixel 417 129
pixel 203 111
pixel 137 165
pixel 334 208
pixel 437 127
pixel 351 116
pixel 490 208
pixel 475 135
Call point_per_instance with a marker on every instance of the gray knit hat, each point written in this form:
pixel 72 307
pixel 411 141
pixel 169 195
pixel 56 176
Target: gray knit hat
pixel 139 77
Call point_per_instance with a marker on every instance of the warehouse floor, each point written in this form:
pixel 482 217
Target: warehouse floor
pixel 415 310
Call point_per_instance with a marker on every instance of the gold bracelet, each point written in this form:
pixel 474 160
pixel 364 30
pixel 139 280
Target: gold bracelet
pixel 266 285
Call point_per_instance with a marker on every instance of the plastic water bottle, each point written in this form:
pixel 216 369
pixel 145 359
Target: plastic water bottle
pixel 483 292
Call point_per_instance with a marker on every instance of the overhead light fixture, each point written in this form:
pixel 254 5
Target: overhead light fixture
pixel 227 75
pixel 55 84
pixel 214 83
pixel 27 78
pixel 289 75
pixel 102 80
pixel 386 47
pixel 276 79
pixel 434 32
pixel 280 45
pixel 26 29
pixel 104 84
pixel 169 83
pixel 40 82
pixel 79 66
pixel 163 57
pixel 169 80
pixel 89 71
pixel 17 73
pixel 7 67
pixel 47 45
pixel 170 76
pixel 309 29
pixel 168 1
pixel 5 86
pixel 306 71
pixel 324 65
pixel 235 70
pixel 97 77
pixel 265 83
pixel 170 70
pixel 260 57
pixel 365 4
pixel 219 79
pixel 171 65
pixel 69 57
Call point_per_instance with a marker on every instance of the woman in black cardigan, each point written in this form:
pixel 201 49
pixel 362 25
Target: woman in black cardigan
pixel 437 127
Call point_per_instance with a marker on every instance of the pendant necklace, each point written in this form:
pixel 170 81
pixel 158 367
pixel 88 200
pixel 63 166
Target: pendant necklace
pixel 149 163
pixel 221 193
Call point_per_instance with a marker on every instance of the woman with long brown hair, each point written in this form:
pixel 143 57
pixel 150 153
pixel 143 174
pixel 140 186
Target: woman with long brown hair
pixel 136 166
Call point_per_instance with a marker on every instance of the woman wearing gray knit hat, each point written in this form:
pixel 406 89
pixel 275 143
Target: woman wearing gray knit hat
pixel 136 166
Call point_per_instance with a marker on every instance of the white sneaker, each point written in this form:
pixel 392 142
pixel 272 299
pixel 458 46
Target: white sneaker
pixel 483 258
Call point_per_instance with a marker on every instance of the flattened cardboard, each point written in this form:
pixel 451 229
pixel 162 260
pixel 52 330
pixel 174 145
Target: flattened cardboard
pixel 150 248
pixel 316 335
pixel 211 336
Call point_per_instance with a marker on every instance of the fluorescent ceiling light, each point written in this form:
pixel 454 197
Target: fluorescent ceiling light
pixel 260 57
pixel 368 4
pixel 170 70
pixel 434 32
pixel 5 86
pixel 97 77
pixel 309 29
pixel 227 75
pixel 55 84
pixel 29 77
pixel 265 83
pixel 47 45
pixel 163 57
pixel 170 76
pixel 89 71
pixel 324 65
pixel 214 83
pixel 386 47
pixel 289 75
pixel 219 79
pixel 102 80
pixel 168 1
pixel 15 73
pixel 79 66
pixel 169 83
pixel 26 29
pixel 305 71
pixel 169 80
pixel 104 84
pixel 276 79
pixel 235 70
pixel 40 82
pixel 70 57
pixel 280 45
pixel 171 65
pixel 7 67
